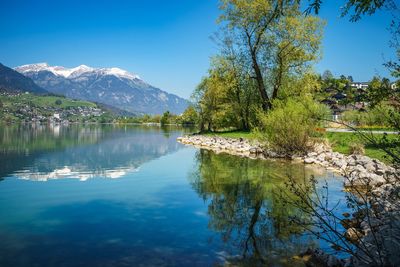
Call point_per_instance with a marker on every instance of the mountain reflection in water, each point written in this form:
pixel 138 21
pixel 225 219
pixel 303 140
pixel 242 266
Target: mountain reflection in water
pixel 47 152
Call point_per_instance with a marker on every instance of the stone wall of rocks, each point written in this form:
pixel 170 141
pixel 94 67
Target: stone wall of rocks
pixel 233 146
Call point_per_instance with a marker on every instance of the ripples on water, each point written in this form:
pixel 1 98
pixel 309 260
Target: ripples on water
pixel 132 196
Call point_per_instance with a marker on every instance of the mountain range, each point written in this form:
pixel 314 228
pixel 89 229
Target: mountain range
pixel 111 86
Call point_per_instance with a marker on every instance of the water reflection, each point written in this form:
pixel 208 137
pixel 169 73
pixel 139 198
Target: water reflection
pixel 229 213
pixel 69 172
pixel 45 152
pixel 246 207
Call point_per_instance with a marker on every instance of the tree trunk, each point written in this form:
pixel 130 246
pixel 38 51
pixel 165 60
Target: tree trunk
pixel 266 103
pixel 278 81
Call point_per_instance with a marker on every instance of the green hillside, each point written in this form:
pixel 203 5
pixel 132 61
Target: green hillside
pixel 32 108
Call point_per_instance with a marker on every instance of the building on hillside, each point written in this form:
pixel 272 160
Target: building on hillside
pixel 359 85
pixel 329 90
pixel 329 102
pixel 339 96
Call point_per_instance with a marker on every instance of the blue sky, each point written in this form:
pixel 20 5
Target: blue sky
pixel 167 43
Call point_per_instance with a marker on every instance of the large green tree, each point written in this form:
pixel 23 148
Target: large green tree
pixel 275 38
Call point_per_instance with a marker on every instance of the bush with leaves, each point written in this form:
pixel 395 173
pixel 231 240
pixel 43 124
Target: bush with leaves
pixel 379 115
pixel 290 127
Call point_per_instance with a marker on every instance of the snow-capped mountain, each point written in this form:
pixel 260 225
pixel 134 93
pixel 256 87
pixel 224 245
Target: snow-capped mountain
pixel 112 86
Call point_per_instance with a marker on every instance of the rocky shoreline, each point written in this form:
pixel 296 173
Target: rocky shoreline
pixel 359 171
pixel 357 168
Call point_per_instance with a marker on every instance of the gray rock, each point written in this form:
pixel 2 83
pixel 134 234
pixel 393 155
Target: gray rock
pixel 309 160
pixel 370 166
pixel 359 168
pixel 312 154
pixel 321 157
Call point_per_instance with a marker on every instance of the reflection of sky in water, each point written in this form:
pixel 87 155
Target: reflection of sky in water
pixel 151 215
pixel 97 153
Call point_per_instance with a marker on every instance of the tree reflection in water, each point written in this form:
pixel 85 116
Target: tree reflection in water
pixel 246 207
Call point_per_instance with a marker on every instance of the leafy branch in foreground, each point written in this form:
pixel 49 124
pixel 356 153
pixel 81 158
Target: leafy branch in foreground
pixel 356 8
pixel 370 236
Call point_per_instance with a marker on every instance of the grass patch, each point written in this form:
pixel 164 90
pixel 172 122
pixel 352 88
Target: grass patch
pixel 375 128
pixel 341 142
pixel 233 134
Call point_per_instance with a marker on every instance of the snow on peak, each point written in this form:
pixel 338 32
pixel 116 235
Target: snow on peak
pixel 43 64
pixel 119 73
pixel 75 72
pixel 57 70
pixel 32 67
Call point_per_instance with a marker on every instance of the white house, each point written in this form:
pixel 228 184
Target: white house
pixel 360 85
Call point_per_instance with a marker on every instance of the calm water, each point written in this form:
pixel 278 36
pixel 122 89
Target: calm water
pixel 133 196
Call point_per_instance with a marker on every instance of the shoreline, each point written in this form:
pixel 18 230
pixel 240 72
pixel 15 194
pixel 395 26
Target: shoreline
pixel 351 167
pixel 358 171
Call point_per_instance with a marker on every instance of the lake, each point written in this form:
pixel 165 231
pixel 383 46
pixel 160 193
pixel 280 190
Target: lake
pixel 107 195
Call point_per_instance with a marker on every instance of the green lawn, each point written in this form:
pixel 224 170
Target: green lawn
pixel 234 134
pixel 375 128
pixel 341 142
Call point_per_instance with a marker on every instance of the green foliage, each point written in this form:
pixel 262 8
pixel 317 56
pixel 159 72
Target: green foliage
pixel 300 86
pixel 24 107
pixel 327 75
pixel 356 8
pixel 274 40
pixel 45 101
pixel 289 127
pixel 189 116
pixel 267 48
pixel 224 99
pixel 380 90
pixel 379 115
pixel 165 119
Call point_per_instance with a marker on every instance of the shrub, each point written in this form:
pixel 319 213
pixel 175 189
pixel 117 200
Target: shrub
pixel 189 116
pixel 354 117
pixel 357 149
pixel 379 115
pixel 288 129
pixel 165 119
pixel 58 102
